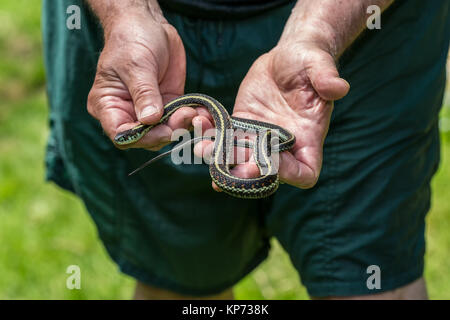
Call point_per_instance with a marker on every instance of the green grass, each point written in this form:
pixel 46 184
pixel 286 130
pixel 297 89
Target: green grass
pixel 44 229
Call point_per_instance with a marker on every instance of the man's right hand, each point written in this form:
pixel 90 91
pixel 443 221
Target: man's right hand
pixel 142 67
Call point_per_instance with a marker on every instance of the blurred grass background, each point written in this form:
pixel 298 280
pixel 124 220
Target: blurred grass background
pixel 44 229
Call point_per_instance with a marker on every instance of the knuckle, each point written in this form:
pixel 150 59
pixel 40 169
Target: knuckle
pixel 140 90
pixel 171 31
pixel 138 59
pixel 104 73
pixel 130 62
pixel 143 94
pixel 105 66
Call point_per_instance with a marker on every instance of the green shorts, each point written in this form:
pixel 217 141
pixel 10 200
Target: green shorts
pixel 166 227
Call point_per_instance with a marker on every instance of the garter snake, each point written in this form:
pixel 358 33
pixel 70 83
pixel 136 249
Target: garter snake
pixel 219 168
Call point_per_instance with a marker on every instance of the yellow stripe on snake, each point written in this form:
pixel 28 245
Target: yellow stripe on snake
pixel 219 168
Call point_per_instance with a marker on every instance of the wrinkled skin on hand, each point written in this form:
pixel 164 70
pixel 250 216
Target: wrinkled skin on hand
pixel 142 67
pixel 292 86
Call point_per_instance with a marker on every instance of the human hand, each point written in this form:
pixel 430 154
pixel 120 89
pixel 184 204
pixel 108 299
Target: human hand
pixel 142 67
pixel 292 86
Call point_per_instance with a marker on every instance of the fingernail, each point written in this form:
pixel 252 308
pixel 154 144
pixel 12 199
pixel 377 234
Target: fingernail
pixel 197 123
pixel 148 111
pixel 346 82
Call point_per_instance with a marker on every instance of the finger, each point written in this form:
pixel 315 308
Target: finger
pixel 325 79
pixel 215 187
pixel 241 155
pixel 143 86
pixel 202 124
pixel 202 111
pixel 204 150
pixel 112 114
pixel 182 118
pixel 175 75
pixel 158 147
pixel 245 171
pixel 295 172
pixel 155 139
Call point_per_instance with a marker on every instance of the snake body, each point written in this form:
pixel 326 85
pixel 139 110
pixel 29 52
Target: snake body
pixel 219 168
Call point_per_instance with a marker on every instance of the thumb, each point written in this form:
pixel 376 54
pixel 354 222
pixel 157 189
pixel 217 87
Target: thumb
pixel 325 78
pixel 143 87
